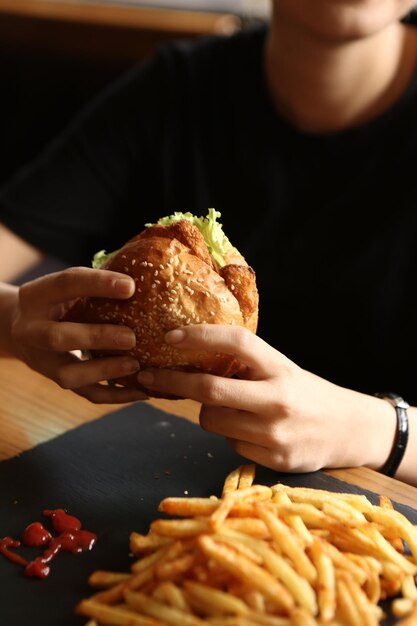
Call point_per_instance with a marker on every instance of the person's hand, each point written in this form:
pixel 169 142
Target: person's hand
pixel 45 344
pixel 276 413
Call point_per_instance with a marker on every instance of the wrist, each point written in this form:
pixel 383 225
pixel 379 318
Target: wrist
pixel 382 420
pixel 369 425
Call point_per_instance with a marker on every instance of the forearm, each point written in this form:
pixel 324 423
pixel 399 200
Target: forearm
pixel 8 301
pixel 17 256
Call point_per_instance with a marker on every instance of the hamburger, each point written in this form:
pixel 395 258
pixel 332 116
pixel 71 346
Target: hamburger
pixel 186 271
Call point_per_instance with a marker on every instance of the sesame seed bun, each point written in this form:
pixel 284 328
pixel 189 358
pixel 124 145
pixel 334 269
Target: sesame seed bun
pixel 177 283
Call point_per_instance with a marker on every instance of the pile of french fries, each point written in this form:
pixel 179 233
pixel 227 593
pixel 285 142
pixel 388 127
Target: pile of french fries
pixel 264 556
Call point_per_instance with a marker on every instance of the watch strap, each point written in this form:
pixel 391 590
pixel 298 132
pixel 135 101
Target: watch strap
pixel 401 436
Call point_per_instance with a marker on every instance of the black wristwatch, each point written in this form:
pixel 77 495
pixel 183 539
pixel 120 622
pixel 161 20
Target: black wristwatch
pixel 401 438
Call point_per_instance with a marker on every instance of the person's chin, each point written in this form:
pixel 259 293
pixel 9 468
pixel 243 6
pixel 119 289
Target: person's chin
pixel 346 20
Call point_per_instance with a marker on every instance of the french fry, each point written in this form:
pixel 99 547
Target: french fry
pixel 146 543
pixel 318 496
pixel 408 588
pixel 248 494
pixel 249 525
pixel 411 619
pixel 298 586
pixel 189 507
pixel 344 512
pixel 255 600
pixel 248 572
pixel 361 601
pixel 171 594
pixel 262 556
pixel 171 569
pixel 215 601
pixel 169 550
pixel 311 515
pixel 387 551
pixel 179 528
pixel 297 524
pixel 102 580
pixel 247 476
pixel 110 596
pixel 231 482
pixel 373 585
pixel 112 616
pixel 325 583
pixel 402 607
pixel 300 617
pixel 249 551
pixel 396 523
pixel 287 542
pixel 346 604
pixel 161 612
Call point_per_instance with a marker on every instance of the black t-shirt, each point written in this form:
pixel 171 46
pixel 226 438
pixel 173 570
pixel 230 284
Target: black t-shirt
pixel 329 222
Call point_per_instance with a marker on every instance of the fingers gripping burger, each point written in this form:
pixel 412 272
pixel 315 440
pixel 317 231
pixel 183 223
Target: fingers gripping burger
pixel 186 272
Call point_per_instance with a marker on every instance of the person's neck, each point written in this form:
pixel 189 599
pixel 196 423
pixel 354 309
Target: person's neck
pixel 323 86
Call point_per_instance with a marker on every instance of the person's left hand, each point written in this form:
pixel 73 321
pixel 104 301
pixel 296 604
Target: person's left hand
pixel 276 413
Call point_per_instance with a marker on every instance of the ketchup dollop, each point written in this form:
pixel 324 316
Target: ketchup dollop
pixel 36 535
pixel 70 538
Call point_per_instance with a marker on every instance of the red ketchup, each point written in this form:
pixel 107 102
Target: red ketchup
pixel 36 535
pixel 70 538
pixel 5 544
pixel 62 522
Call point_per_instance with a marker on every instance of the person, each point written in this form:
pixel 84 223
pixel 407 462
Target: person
pixel 303 134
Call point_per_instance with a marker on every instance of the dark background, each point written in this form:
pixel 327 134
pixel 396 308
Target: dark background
pixel 51 67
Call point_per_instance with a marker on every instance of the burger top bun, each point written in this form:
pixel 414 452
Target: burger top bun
pixel 179 281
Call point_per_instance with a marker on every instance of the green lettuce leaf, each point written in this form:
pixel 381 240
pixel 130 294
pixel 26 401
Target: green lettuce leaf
pixel 212 231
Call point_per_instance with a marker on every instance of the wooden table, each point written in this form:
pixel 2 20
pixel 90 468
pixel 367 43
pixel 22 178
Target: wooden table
pixel 33 409
pixel 103 30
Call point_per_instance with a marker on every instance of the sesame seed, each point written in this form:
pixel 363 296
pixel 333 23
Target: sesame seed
pixel 156 273
pixel 133 261
pixel 161 267
pixel 144 263
pixel 150 264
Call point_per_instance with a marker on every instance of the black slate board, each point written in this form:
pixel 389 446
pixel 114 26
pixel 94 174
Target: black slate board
pixel 111 473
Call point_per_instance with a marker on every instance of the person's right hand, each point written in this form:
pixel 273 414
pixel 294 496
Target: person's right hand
pixel 46 344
